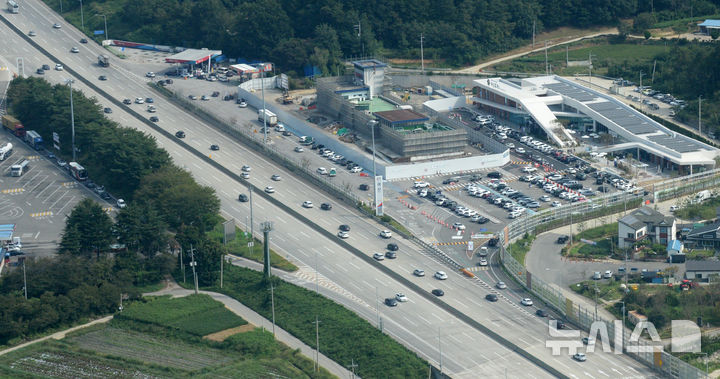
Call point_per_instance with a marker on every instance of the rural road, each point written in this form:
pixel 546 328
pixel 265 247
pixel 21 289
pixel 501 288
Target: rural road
pixel 58 336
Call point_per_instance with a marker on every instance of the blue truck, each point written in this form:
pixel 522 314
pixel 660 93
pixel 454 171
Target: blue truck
pixel 33 139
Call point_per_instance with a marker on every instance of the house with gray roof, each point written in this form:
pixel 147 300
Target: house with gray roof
pixel 705 237
pixel 645 223
pixel 701 270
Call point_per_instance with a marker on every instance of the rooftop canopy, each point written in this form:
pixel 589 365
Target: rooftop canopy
pixel 193 56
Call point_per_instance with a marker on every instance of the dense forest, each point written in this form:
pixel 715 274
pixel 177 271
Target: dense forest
pixel 295 33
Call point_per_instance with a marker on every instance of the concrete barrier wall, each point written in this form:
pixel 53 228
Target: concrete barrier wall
pixel 303 128
pixel 449 166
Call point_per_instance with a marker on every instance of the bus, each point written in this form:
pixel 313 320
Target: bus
pixel 20 168
pixel 13 7
pixel 78 172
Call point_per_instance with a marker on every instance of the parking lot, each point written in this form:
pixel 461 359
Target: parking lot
pixel 39 200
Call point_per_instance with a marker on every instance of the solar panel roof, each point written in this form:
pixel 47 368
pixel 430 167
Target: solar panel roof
pixel 677 143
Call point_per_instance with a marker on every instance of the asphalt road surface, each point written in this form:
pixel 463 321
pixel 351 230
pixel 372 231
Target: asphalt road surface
pixel 465 351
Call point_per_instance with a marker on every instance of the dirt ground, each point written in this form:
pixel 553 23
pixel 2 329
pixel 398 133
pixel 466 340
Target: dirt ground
pixel 223 334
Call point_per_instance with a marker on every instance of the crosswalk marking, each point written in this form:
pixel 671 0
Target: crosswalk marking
pixel 13 190
pixel 41 214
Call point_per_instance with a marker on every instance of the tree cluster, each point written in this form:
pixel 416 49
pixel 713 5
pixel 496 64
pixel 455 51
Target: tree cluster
pixel 294 34
pixel 60 292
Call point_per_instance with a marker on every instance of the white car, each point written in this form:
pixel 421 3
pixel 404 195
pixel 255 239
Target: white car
pixel 401 297
pixel 245 175
pixel 544 198
pixel 441 275
pixel 580 357
pixel 379 256
pixel 121 203
pixel 276 177
pixel 419 272
pixel 483 262
pixel 74 50
pixel 459 226
pixel 608 274
pixel 343 234
pixel 520 150
pixel 501 285
pixel 299 149
pixel 386 234
pixel 529 169
pixel 242 104
pixel 356 169
pixel 526 302
pixel 150 74
pixel 139 100
pixel 307 204
pixel 421 184
pixel 246 168
pixel 555 204
pixel 58 67
pixel 322 171
pixel 674 208
pixel 269 189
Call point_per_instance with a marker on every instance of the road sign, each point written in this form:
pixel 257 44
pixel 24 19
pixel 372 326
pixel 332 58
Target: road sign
pixel 98 32
pixel 251 244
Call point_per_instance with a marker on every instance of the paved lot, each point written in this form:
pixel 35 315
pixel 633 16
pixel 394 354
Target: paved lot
pixel 39 200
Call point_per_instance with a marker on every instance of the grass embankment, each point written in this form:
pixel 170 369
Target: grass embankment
pixel 239 247
pixel 520 248
pixel 608 290
pixel 603 53
pixel 344 336
pixel 604 238
pixel 145 341
pixel 700 211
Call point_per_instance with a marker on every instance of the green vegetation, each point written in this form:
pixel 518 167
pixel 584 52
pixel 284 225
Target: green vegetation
pixel 519 248
pixel 377 354
pixel 602 248
pixel 196 314
pixel 608 290
pixel 238 246
pixel 327 31
pixel 706 210
pixel 605 55
pixel 696 254
pixel 66 291
pixel 602 231
pixel 129 348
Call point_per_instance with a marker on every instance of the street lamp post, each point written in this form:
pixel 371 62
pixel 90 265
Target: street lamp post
pixel 82 17
pixel 193 264
pixel 72 118
pixel 105 20
pixel 623 322
pixel 372 131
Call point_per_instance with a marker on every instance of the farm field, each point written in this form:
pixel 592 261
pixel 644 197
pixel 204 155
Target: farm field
pixel 158 339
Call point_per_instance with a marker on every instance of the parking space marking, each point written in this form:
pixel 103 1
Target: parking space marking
pixel 13 190
pixel 41 214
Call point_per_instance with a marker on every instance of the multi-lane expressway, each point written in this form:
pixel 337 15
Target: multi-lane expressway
pixel 419 324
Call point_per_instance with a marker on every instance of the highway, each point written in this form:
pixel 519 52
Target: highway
pixel 419 324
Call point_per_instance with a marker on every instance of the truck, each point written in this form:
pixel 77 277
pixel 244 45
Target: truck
pixel 701 196
pixel 103 60
pixel 20 168
pixel 13 7
pixel 13 125
pixel 33 139
pixel 6 151
pixel 270 118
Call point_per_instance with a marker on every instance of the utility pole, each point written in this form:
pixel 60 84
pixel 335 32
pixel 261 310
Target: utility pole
pixel 422 57
pixel 700 114
pixel 267 227
pixel 222 259
pixel 352 367
pixel 193 264
pixel 72 118
pixel 547 69
pixel 358 27
pixel 372 130
pixel 317 343
pixel 642 106
pixel 652 79
pixel 24 278
pixel 182 266
pixel 440 350
pixel 533 43
pixel 252 235
pixel 262 89
pixel 567 56
pixel 272 303
pixel 590 69
pixel 82 17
